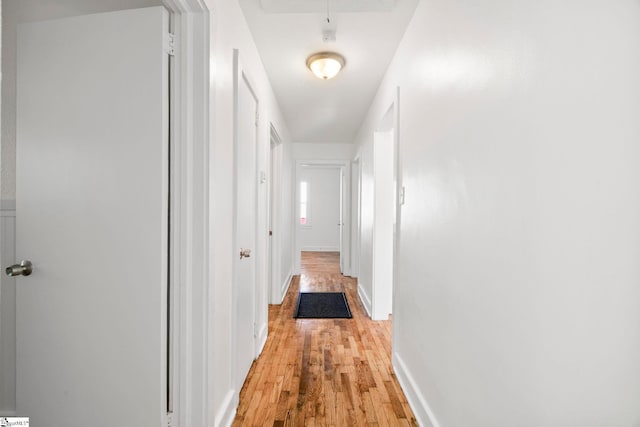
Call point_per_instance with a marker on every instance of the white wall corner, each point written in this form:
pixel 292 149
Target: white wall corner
pixel 227 411
pixel 285 286
pixel 421 409
pixel 262 338
pixel 364 298
pixel 347 270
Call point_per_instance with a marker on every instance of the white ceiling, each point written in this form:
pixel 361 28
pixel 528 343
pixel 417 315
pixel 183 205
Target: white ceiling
pixel 287 32
pixel 36 10
pixel 320 6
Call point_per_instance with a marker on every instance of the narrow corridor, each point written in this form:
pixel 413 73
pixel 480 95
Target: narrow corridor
pixel 323 372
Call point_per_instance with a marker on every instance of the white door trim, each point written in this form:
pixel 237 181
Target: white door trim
pixel 274 195
pixel 356 194
pixel 190 211
pixel 384 270
pixel 399 201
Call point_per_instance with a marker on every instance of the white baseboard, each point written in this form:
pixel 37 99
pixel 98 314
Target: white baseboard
pixel 285 287
pixel 227 411
pixel 364 298
pixel 320 249
pixel 262 338
pixel 417 402
pixel 346 272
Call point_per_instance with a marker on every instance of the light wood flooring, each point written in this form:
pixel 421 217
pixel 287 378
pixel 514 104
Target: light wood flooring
pixel 323 372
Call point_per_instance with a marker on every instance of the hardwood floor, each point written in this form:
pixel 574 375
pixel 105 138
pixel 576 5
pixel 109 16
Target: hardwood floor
pixel 323 372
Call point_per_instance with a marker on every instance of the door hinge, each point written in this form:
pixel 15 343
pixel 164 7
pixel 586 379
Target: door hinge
pixel 170 44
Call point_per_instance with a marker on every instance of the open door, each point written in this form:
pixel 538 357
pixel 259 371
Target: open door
pixel 92 209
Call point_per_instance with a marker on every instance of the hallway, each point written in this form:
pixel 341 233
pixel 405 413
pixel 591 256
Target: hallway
pixel 510 189
pixel 323 372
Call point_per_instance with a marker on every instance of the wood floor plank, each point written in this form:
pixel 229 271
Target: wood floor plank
pixel 381 417
pixel 323 372
pixel 370 413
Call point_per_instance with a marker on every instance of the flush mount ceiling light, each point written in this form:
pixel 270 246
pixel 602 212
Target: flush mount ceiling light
pixel 325 65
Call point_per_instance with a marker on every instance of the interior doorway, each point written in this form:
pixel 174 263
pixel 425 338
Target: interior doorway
pixel 323 209
pixel 386 213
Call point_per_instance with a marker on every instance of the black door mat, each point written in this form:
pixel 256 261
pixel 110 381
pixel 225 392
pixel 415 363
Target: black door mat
pixel 322 305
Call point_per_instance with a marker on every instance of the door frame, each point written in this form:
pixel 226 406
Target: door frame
pixel 388 125
pixel 399 201
pixel 345 169
pixel 274 198
pixel 189 207
pixel 356 195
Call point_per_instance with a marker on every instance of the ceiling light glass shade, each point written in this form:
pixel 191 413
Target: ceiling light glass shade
pixel 325 65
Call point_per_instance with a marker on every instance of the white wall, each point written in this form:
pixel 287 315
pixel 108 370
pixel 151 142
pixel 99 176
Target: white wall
pixel 328 151
pixel 383 211
pixel 367 206
pixel 376 222
pixel 321 233
pixel 518 300
pixel 286 220
pixel 229 31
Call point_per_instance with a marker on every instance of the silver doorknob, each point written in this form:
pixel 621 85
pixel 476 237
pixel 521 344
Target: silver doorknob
pixel 25 268
pixel 245 253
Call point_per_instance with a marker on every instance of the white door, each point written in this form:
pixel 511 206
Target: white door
pixel 92 217
pixel 246 107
